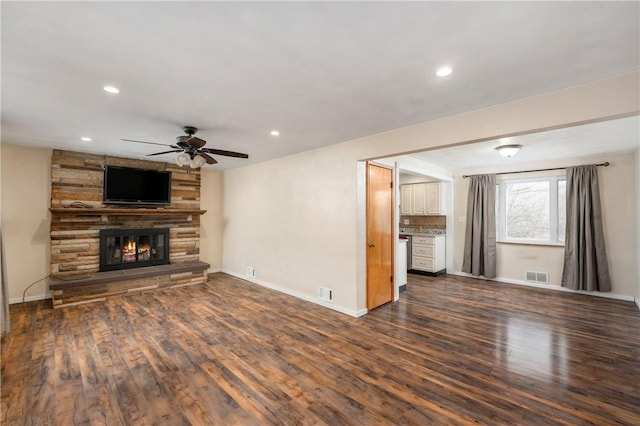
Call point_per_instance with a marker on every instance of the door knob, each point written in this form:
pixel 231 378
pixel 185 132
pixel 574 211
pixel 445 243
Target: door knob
pixel 372 244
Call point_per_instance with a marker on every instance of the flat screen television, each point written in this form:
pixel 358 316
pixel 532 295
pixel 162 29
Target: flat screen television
pixel 131 186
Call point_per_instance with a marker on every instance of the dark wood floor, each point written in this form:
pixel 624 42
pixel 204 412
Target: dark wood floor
pixel 451 351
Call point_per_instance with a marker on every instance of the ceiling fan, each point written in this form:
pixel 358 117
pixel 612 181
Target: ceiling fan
pixel 191 148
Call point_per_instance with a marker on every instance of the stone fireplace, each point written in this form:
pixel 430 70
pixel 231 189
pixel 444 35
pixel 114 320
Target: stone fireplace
pixel 133 248
pixel 84 268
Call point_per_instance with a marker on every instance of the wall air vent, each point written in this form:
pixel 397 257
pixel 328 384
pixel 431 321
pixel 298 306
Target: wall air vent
pixel 325 293
pixel 536 277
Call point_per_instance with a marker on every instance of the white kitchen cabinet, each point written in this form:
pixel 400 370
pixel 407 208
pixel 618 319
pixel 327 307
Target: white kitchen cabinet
pixel 433 203
pixel 405 200
pixel 428 253
pixel 418 198
pixel 421 199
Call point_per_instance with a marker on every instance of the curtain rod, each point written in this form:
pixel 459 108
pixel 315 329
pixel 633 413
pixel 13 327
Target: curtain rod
pixel 605 164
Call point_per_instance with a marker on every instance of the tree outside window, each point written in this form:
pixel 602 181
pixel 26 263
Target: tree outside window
pixel 531 211
pixel 527 211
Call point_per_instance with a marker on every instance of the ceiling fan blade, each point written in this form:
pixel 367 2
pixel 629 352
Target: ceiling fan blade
pixel 196 142
pixel 150 143
pixel 164 152
pixel 225 153
pixel 210 159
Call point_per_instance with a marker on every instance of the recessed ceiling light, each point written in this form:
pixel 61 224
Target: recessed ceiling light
pixel 85 139
pixel 444 71
pixel 275 133
pixel 111 89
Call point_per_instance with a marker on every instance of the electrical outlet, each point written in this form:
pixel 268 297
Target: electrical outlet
pixel 251 271
pixel 325 293
pixel 406 221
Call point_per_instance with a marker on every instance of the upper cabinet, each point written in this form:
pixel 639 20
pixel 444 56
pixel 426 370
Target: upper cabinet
pixel 421 199
pixel 405 200
pixel 433 204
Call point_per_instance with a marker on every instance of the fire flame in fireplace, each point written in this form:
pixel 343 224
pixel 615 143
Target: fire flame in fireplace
pixel 129 252
pixel 130 247
pixel 144 252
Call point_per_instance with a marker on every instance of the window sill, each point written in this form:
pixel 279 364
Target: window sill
pixel 531 243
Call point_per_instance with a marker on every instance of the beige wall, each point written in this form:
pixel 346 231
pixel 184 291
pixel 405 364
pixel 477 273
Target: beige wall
pixel 26 186
pixel 293 220
pixel 299 219
pixel 619 210
pixel 211 221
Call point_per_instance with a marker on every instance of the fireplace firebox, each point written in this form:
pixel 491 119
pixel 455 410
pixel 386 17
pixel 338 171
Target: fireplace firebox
pixel 133 248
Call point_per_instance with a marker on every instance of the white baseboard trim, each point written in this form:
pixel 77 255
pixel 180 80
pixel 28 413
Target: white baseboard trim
pixel 361 312
pixel 548 287
pixel 637 300
pixel 29 298
pixel 306 297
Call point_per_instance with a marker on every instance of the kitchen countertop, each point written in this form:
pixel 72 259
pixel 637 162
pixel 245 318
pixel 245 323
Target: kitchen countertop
pixel 426 232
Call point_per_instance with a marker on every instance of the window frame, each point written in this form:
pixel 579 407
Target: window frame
pixel 554 222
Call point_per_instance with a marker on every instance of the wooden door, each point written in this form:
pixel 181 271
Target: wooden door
pixel 379 235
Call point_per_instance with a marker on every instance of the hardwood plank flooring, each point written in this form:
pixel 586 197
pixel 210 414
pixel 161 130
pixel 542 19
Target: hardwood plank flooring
pixel 452 351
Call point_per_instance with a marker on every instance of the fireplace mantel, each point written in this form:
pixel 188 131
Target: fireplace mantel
pixel 99 211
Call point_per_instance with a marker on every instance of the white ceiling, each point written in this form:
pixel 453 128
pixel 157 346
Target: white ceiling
pixel 595 139
pixel 320 72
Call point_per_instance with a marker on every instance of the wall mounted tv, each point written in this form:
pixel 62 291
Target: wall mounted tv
pixel 131 186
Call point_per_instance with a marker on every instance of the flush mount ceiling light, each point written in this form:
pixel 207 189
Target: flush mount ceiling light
pixel 274 133
pixel 111 89
pixel 444 71
pixel 508 151
pixel 85 139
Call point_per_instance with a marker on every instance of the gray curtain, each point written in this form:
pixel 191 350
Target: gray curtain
pixel 585 257
pixel 4 292
pixel 480 236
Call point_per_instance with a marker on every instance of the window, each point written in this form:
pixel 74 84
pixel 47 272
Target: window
pixel 531 210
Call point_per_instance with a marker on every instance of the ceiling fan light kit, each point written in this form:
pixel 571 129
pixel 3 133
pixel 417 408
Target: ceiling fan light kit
pixel 191 150
pixel 183 159
pixel 197 162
